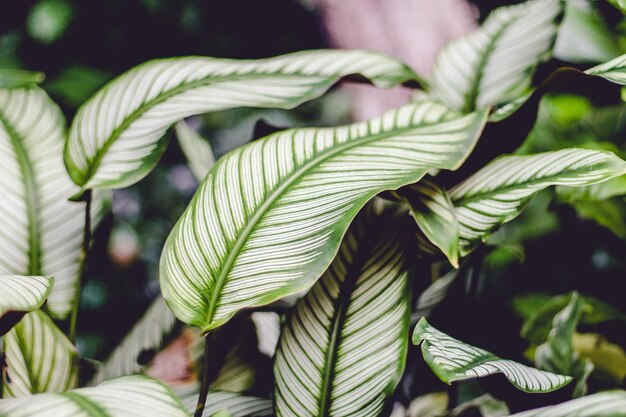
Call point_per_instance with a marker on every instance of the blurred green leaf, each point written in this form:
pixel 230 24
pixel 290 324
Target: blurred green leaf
pixel 49 19
pixel 608 358
pixel 75 84
pixel 13 78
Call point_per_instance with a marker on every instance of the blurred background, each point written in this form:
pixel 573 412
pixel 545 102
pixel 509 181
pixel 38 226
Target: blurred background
pixel 561 243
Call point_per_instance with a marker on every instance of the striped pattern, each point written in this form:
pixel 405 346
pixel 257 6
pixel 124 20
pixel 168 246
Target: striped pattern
pixel 237 405
pixel 432 296
pixel 452 360
pixel 497 193
pixel 147 334
pixel 23 293
pixel 494 64
pixel 614 70
pixel 39 358
pixel 133 396
pixel 269 217
pixel 433 212
pixel 342 351
pixel 603 404
pixel 118 135
pixel 197 150
pixel 40 230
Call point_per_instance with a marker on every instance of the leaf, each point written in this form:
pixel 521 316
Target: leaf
pixel 433 296
pixel 118 135
pixel 130 396
pixel 14 78
pixel 39 358
pixel 452 360
pixel 498 193
pixel 609 359
pixel 342 351
pixel 486 405
pixel 236 404
pixel 267 325
pixel 433 212
pixel 603 404
pixel 40 230
pixel 21 294
pixel 269 217
pixel 197 150
pixel 494 64
pixel 620 4
pixel 145 336
pixel 434 404
pixel 614 70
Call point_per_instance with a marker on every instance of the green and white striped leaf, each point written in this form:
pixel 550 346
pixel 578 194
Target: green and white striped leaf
pixel 147 334
pixel 433 296
pixel 197 150
pixel 342 351
pixel 40 230
pixel 494 64
pixel 433 212
pixel 614 70
pixel 603 404
pixel 21 294
pixel 118 135
pixel 131 396
pixel 452 360
pixel 39 358
pixel 497 193
pixel 269 217
pixel 236 404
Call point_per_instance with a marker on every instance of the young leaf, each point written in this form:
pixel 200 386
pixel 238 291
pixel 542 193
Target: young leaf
pixel 452 360
pixel 131 396
pixel 118 135
pixel 342 351
pixel 497 193
pixel 269 217
pixel 197 150
pixel 494 64
pixel 39 358
pixel 40 230
pixel 433 211
pixel 603 404
pixel 146 335
pixel 21 294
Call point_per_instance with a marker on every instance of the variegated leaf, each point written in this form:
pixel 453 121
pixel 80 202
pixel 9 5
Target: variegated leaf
pixel 236 404
pixel 603 404
pixel 197 150
pixel 614 70
pixel 21 294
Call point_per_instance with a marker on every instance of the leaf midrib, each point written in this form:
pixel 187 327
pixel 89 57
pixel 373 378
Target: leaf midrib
pixel 30 196
pixel 274 195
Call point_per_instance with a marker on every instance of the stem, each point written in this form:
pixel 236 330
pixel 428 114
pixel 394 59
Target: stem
pixel 83 264
pixel 206 377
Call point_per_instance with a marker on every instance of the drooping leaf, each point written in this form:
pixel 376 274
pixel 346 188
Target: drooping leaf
pixel 497 193
pixel 269 217
pixel 21 294
pixel 40 230
pixel 130 396
pixel 39 358
pixel 236 404
pixel 603 404
pixel 197 150
pixel 452 360
pixel 342 351
pixel 494 64
pixel 118 135
pixel 12 78
pixel 145 336
pixel 433 211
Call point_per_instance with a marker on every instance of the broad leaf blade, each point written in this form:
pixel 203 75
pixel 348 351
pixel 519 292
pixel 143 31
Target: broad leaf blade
pixel 118 135
pixel 343 349
pixel 21 294
pixel 39 358
pixel 497 193
pixel 494 64
pixel 40 230
pixel 269 217
pixel 197 150
pixel 133 396
pixel 603 404
pixel 236 404
pixel 452 360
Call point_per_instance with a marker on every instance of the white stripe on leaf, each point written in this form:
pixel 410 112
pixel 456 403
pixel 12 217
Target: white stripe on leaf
pixel 197 150
pixel 452 360
pixel 614 70
pixel 268 218
pixel 118 135
pixel 236 404
pixel 603 404
pixel 23 294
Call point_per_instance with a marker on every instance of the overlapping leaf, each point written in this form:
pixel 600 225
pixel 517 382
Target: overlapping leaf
pixel 236 404
pixel 614 70
pixel 269 217
pixel 118 135
pixel 603 404
pixel 40 230
pixel 21 294
pixel 132 396
pixel 452 360
pixel 197 150
pixel 342 351
pixel 39 358
pixel 497 193
pixel 494 64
